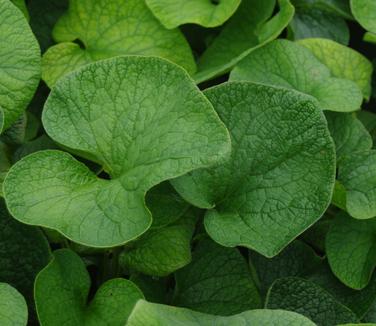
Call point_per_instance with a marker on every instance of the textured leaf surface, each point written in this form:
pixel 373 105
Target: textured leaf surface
pixel 217 281
pixel 349 134
pixel 109 28
pixel 343 62
pixel 308 299
pixel 364 12
pixel 173 13
pixel 136 155
pixel 150 314
pixel 62 288
pixel 351 250
pixel 252 26
pixel 19 63
pixel 287 64
pixel 24 251
pixel 357 173
pixel 13 309
pixel 280 176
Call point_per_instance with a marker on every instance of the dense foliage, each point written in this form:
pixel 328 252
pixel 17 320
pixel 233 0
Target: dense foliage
pixel 187 162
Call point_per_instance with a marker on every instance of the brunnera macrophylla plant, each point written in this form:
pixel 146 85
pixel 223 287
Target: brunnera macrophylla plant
pixel 202 162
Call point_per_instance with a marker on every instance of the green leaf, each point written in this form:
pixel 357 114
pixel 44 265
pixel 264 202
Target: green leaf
pixel 279 178
pixel 297 259
pixel 351 250
pixel 251 27
pixel 20 4
pixel 19 64
pixel 151 314
pixel 163 250
pixel 13 309
pixel 308 299
pixel 364 12
pixel 217 281
pixel 173 13
pixel 124 27
pixel 337 7
pixel 290 65
pixel 24 251
pixel 368 119
pixel 348 133
pixel 343 62
pixel 357 173
pixel 5 164
pixel 125 141
pixel 61 294
pixel 313 22
pixel 154 289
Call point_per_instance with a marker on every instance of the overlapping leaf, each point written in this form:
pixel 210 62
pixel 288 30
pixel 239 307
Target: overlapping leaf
pixel 13 309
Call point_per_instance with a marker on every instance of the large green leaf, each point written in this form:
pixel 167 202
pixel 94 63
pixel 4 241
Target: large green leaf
pixel 357 173
pixel 151 314
pixel 351 250
pixel 13 309
pixel 137 94
pixel 290 65
pixel 108 28
pixel 280 176
pixel 308 299
pixel 252 26
pixel 218 281
pixel 343 62
pixel 61 294
pixel 364 12
pixel 173 13
pixel 19 63
pixel 24 251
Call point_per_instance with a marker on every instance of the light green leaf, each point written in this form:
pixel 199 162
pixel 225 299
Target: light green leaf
pixel 173 13
pixel 151 314
pixel 370 37
pixel 24 251
pixel 348 133
pixel 351 250
pixel 343 62
pixel 297 259
pixel 137 93
pixel 290 65
pixel 163 250
pixel 251 27
pixel 308 299
pixel 13 309
pixel 61 294
pixel 364 12
pixel 19 63
pixel 109 28
pixel 280 176
pixel 357 173
pixel 20 4
pixel 217 281
pixel 339 196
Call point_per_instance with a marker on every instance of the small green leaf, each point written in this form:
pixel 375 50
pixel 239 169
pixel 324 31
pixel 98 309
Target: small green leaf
pixel 61 294
pixel 217 281
pixel 251 27
pixel 308 299
pixel 280 176
pixel 343 62
pixel 151 314
pixel 357 173
pixel 364 12
pixel 19 63
pixel 122 28
pixel 137 94
pixel 290 65
pixel 173 13
pixel 13 309
pixel 351 250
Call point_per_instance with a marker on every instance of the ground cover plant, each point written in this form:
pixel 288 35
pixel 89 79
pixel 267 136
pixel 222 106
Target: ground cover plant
pixel 187 162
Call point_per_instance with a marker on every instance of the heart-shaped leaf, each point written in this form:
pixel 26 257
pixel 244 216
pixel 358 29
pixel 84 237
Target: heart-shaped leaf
pixel 109 28
pixel 19 64
pixel 173 13
pixel 287 64
pixel 61 294
pixel 13 309
pixel 280 176
pixel 109 111
pixel 151 314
